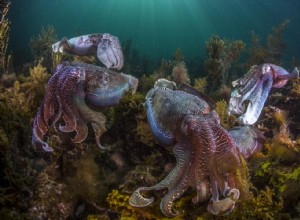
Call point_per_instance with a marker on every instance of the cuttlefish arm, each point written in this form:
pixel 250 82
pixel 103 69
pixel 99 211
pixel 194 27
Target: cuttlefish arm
pixel 76 93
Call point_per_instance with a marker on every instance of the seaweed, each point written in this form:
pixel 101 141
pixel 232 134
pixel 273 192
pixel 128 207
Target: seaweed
pixel 227 121
pixel 4 36
pixel 41 47
pixel 50 199
pixel 34 86
pixel 296 88
pixel 17 176
pixel 178 56
pixel 257 53
pixel 27 93
pixel 200 84
pixel 119 203
pixel 221 54
pixel 180 73
pixel 270 52
pixel 134 62
pixel 164 69
pixel 275 44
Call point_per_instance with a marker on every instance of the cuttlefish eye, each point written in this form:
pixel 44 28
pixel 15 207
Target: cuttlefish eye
pixel 266 69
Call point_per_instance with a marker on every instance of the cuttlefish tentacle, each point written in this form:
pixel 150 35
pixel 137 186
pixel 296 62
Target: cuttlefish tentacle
pixel 178 180
pixel 67 87
pixel 38 133
pixel 203 191
pixel 40 122
pixel 43 119
pixel 224 206
pixel 256 100
pixel 52 105
pixel 70 93
pixel 217 156
pixel 167 202
pixel 176 175
pixel 191 127
pixel 97 119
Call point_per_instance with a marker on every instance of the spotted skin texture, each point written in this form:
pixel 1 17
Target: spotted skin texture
pixel 252 90
pixel 70 92
pixel 206 155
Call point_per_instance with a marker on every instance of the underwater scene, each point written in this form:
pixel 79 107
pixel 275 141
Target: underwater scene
pixel 149 109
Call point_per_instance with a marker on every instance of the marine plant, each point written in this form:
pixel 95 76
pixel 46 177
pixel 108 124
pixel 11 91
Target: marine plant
pixel 174 69
pixel 4 35
pixel 178 56
pixel 119 202
pixel 86 179
pixel 34 86
pixel 282 135
pixel 296 88
pixel 257 53
pixel 41 47
pixel 259 205
pixel 227 121
pixel 85 59
pixel 180 73
pixel 51 198
pixel 269 52
pixel 200 84
pixel 17 177
pixel 134 62
pixel 146 82
pixel 27 92
pixel 124 116
pixel 220 55
pixel 165 69
pixel 143 131
pixel 275 44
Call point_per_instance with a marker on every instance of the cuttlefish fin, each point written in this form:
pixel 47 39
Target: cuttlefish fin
pixel 189 89
pixel 62 46
pixel 293 75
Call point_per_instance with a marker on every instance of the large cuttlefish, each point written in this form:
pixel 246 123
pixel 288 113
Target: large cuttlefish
pixel 207 155
pixel 76 91
pixel 106 46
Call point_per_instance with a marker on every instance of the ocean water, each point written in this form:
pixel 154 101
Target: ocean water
pixel 156 27
pixel 81 181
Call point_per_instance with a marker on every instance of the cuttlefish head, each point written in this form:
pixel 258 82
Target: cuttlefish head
pixel 109 52
pixel 251 90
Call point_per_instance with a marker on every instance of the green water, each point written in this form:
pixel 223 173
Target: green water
pixel 156 27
